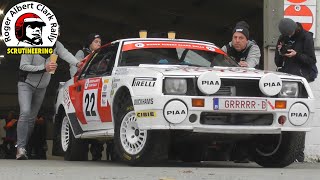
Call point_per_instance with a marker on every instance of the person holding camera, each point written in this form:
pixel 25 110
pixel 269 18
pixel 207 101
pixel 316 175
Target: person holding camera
pixel 295 54
pixel 295 50
pixel 241 49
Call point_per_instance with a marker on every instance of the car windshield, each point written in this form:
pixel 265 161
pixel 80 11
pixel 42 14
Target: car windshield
pixel 174 53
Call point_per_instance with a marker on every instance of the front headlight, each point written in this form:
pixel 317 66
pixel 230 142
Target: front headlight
pixel 176 86
pixel 289 90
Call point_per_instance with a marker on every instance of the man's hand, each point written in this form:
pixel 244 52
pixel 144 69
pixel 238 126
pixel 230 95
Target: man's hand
pixel 51 66
pixel 291 53
pixel 243 64
pixel 79 64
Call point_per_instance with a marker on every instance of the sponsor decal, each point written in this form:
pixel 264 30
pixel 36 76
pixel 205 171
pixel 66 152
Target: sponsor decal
pixel 112 92
pixel 144 82
pixel 115 80
pixel 143 101
pixel 92 83
pixel 104 88
pixel 169 44
pixel 209 82
pixel 30 28
pixel 298 114
pixel 121 71
pixel 146 114
pixel 114 85
pixel 104 100
pixel 270 84
pixel 175 111
pixel 66 98
pixel 139 45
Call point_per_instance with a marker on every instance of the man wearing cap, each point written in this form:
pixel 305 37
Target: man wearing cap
pixel 295 50
pixel 241 49
pixel 92 43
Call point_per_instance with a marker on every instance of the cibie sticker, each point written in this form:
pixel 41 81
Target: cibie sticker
pixel 270 84
pixel 209 82
pixel 29 24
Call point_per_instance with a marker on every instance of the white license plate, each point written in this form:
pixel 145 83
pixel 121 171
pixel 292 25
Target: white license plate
pixel 239 104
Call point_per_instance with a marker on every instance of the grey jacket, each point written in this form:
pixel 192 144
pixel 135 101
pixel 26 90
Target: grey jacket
pixel 73 69
pixel 254 54
pixel 34 66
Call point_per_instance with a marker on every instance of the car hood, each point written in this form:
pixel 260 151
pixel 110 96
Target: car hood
pixel 236 72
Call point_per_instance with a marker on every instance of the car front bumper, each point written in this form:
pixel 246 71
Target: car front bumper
pixel 153 116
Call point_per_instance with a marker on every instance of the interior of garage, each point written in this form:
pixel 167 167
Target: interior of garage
pixel 191 19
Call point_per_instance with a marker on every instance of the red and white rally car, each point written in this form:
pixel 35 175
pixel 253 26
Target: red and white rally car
pixel 157 99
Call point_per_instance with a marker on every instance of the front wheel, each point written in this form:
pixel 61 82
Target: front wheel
pixel 134 145
pixel 279 150
pixel 74 149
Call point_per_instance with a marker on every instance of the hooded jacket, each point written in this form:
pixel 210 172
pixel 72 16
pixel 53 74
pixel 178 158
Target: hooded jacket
pixel 33 67
pixel 300 64
pixel 251 54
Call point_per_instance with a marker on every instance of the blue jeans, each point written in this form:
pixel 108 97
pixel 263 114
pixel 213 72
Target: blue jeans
pixel 30 100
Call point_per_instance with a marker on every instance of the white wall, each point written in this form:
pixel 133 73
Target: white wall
pixel 312 148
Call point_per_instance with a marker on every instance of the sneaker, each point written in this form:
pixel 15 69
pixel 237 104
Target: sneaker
pixel 21 154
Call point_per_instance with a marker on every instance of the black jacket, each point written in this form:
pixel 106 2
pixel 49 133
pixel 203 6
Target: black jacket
pixel 301 64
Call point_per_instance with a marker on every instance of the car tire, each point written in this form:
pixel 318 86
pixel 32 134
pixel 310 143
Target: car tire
pixel 74 149
pixel 290 145
pixel 191 152
pixel 136 146
pixel 56 141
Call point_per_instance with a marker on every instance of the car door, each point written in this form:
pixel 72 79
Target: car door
pixel 92 91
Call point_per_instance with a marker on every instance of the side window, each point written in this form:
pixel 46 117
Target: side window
pixel 101 64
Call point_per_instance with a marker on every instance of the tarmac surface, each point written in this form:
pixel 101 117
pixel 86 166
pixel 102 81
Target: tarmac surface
pixel 57 168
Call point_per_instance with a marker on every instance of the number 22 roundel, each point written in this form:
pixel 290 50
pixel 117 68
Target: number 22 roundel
pixel 89 99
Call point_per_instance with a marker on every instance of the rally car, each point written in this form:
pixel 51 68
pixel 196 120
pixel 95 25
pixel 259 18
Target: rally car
pixel 156 99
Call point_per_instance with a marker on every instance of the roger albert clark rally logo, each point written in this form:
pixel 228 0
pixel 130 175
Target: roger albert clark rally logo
pixel 30 28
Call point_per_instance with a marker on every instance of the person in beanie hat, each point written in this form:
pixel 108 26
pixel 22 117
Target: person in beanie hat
pixel 295 50
pixel 92 43
pixel 296 55
pixel 241 49
pixel 287 27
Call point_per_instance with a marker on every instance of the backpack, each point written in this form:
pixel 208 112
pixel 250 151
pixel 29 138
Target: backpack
pixel 314 73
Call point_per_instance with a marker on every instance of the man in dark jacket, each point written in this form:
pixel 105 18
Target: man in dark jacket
pixel 295 50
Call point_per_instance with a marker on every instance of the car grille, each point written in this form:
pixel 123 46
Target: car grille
pixel 237 87
pixel 241 119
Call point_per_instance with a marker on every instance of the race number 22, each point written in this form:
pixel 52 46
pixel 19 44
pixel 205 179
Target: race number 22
pixel 90 103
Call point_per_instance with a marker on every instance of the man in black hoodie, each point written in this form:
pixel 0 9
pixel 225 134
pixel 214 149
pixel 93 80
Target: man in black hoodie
pixel 295 50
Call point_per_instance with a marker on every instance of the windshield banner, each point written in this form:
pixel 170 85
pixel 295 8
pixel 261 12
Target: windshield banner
pixel 168 44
